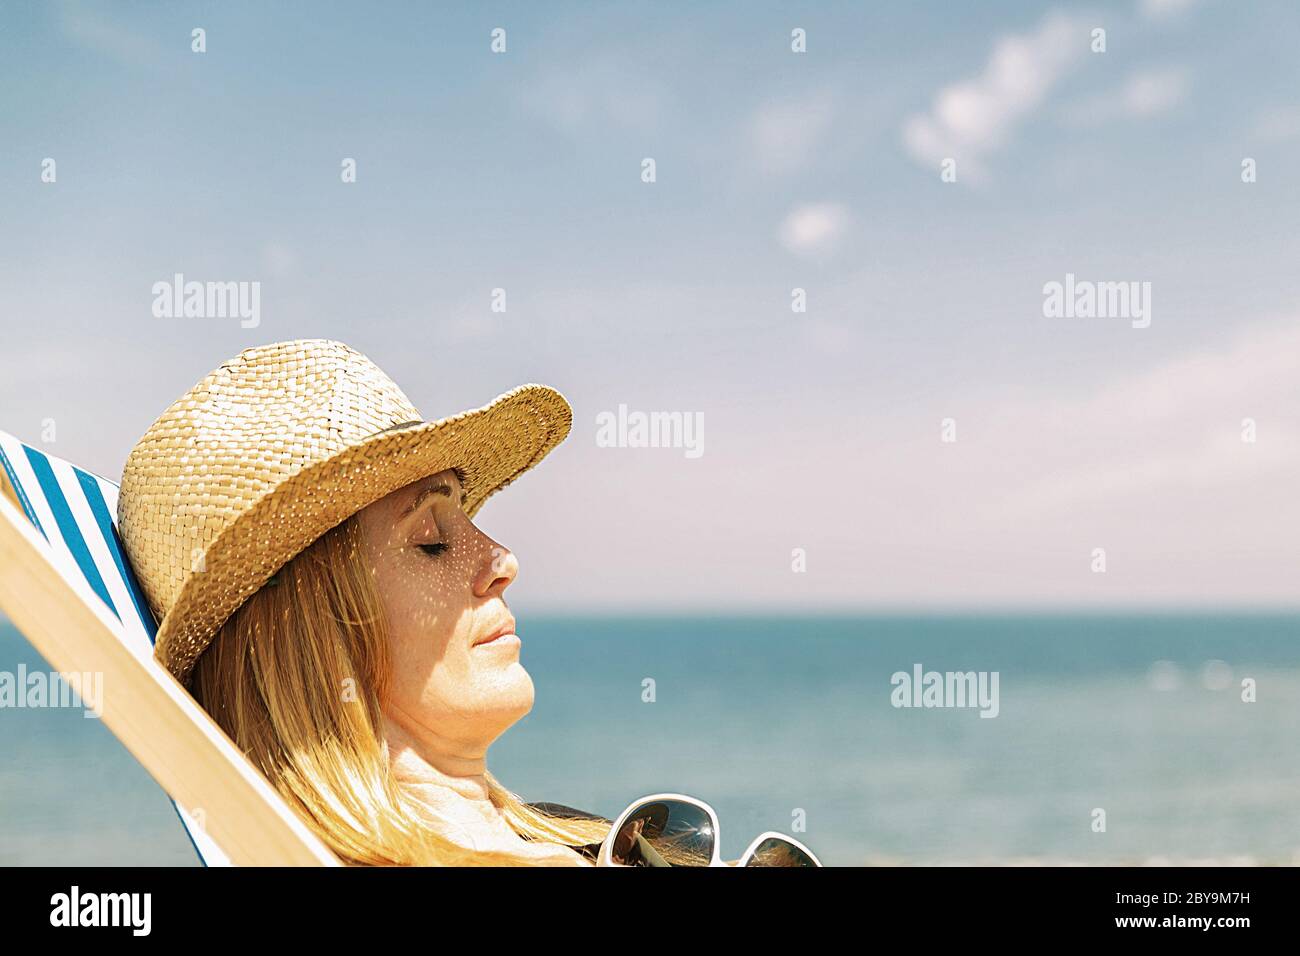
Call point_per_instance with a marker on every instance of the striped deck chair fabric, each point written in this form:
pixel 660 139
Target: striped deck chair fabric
pixel 76 513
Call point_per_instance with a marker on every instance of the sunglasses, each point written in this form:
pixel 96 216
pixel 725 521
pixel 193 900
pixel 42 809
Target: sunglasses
pixel 668 829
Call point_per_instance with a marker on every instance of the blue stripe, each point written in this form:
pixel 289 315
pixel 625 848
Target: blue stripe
pixel 22 495
pixel 99 508
pixel 76 544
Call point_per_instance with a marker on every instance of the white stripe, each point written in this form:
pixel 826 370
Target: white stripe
pixel 58 550
pixel 146 627
pixel 131 633
pixel 208 849
pixel 13 451
pixel 109 490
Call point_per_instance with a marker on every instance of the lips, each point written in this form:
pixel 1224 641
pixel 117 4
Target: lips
pixel 505 629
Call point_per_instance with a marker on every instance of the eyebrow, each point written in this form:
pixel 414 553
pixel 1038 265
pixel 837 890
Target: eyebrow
pixel 441 488
pixel 423 496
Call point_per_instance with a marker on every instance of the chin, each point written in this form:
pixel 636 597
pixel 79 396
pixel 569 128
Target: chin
pixel 512 692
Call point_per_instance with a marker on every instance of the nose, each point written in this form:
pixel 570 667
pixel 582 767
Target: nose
pixel 500 567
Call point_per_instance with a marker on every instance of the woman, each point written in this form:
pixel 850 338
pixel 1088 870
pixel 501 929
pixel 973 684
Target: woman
pixel 306 541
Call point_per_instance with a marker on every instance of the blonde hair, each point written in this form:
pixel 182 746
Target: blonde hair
pixel 296 676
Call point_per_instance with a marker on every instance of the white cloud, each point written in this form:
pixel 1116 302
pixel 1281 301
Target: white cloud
pixel 814 228
pixel 1144 93
pixel 1177 428
pixel 86 28
pixel 1148 464
pixel 1164 9
pixel 601 91
pixel 786 134
pixel 278 259
pixel 973 118
pixel 1277 125
pixel 1154 91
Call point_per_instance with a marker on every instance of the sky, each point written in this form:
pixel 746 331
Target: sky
pixel 774 170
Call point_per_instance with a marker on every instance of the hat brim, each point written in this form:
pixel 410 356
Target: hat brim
pixel 490 446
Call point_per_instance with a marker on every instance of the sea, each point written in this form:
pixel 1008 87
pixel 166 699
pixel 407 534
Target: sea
pixel 1118 739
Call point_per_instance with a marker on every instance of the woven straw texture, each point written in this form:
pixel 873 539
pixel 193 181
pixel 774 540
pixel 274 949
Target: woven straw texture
pixel 276 447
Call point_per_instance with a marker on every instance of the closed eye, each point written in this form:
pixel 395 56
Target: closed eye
pixel 434 549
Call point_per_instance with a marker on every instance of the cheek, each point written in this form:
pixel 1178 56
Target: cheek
pixel 416 596
pixel 424 604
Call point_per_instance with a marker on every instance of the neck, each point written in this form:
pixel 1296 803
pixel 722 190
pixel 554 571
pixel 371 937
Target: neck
pixel 448 776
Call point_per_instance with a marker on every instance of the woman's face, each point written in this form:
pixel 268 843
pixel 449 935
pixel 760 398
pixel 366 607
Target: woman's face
pixel 454 653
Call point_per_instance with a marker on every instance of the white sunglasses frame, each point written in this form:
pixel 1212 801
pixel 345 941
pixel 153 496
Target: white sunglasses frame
pixel 606 855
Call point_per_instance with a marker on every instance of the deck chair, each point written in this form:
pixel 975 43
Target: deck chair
pixel 66 584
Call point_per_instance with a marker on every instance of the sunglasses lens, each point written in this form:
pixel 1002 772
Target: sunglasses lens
pixel 777 852
pixel 664 833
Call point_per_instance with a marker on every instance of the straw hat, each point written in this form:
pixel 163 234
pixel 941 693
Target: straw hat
pixel 276 447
